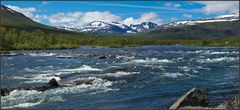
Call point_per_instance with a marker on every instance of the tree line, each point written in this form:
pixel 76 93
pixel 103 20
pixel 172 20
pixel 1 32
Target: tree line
pixel 17 39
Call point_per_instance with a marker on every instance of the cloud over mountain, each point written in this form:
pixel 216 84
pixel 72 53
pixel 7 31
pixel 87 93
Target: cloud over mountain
pixel 81 18
pixel 145 17
pixel 219 6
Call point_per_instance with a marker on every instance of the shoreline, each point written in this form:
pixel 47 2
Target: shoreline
pixel 118 47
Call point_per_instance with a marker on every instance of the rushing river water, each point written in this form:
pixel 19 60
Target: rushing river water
pixel 155 76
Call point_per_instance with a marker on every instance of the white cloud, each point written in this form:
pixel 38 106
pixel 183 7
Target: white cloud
pixel 172 5
pixel 187 15
pixel 76 19
pixel 39 18
pixel 65 18
pixel 144 18
pixel 219 6
pixel 99 16
pixel 29 12
pixel 26 11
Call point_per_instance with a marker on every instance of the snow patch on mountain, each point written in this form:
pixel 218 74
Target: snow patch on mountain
pixel 113 27
pixel 229 17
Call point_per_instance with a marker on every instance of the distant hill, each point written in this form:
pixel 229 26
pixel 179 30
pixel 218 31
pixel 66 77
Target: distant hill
pixel 220 27
pixel 13 18
pixel 209 30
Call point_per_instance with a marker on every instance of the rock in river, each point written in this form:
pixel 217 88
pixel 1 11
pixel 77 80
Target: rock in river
pixel 231 104
pixel 194 97
pixel 51 85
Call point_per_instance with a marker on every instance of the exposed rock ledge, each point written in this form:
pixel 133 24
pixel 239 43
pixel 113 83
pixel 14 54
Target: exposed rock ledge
pixel 198 99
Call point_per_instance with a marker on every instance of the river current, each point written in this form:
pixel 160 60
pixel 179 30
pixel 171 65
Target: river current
pixel 151 76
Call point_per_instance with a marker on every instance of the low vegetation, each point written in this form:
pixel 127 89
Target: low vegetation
pixel 17 39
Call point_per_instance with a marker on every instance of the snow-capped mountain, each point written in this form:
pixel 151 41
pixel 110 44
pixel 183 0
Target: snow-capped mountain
pixel 229 17
pixel 143 26
pixel 101 27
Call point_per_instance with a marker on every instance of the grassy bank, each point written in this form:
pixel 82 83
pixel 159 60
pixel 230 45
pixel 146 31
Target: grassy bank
pixel 20 39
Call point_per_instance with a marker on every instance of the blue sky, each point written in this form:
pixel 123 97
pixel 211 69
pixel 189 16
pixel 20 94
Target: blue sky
pixel 78 13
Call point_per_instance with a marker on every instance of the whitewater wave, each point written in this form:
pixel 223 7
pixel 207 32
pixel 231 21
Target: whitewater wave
pixel 23 105
pixel 213 53
pixel 172 75
pixel 83 68
pixel 49 74
pixel 235 52
pixel 189 69
pixel 20 98
pixel 37 78
pixel 42 78
pixel 185 68
pixel 30 70
pixel 209 52
pixel 61 71
pixel 124 57
pixel 121 73
pixel 215 60
pixel 194 52
pixel 28 98
pixel 40 54
pixel 149 61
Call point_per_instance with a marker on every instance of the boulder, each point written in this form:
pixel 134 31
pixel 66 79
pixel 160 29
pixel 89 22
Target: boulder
pixel 84 81
pixel 102 57
pixel 194 108
pixel 5 91
pixel 116 69
pixel 110 78
pixel 51 85
pixel 194 97
pixel 232 104
pixel 53 82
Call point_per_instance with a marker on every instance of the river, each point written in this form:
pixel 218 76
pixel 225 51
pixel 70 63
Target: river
pixel 151 76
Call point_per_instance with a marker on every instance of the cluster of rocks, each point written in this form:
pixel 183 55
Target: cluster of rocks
pixel 198 99
pixel 60 55
pixel 51 85
pixel 193 99
pixel 54 84
pixel 96 56
pixel 9 53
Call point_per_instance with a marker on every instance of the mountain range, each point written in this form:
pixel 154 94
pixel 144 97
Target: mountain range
pixel 100 27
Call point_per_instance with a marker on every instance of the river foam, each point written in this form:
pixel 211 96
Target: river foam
pixel 28 98
pixel 215 60
pixel 149 61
